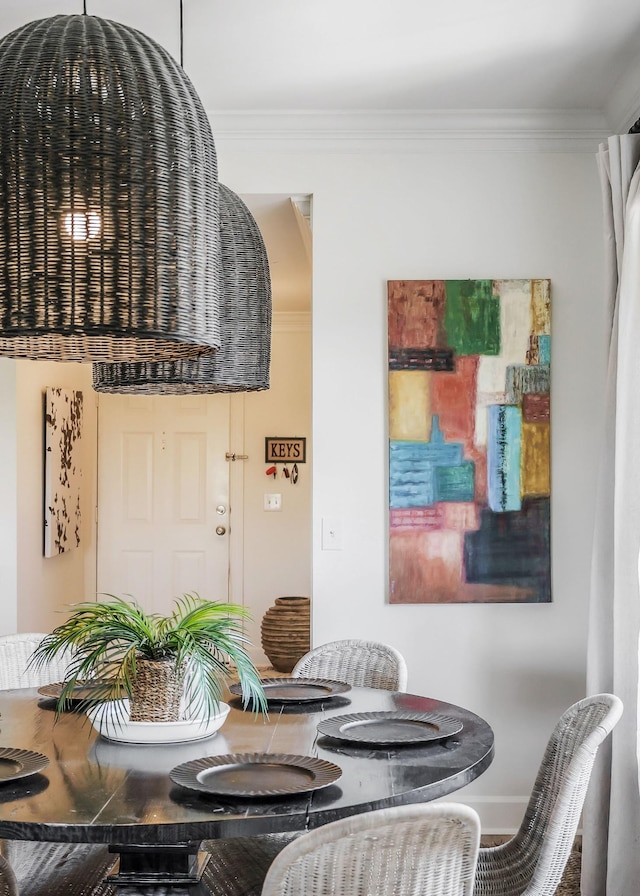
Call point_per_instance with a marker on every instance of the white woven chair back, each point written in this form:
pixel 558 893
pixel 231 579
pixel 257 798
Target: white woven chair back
pixel 367 664
pixel 532 862
pixel 15 653
pixel 31 868
pixel 8 882
pixel 429 848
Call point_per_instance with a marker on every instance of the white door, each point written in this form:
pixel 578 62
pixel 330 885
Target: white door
pixel 163 497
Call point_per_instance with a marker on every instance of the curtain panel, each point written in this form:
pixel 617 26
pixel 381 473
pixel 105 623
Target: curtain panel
pixel 611 824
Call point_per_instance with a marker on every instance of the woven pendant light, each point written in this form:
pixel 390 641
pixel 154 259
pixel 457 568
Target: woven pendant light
pixel 242 362
pixel 109 228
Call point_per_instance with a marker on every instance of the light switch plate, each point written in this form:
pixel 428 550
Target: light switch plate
pixel 331 533
pixel 273 502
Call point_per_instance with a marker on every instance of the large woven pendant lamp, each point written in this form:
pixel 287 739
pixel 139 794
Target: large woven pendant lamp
pixel 242 362
pixel 109 222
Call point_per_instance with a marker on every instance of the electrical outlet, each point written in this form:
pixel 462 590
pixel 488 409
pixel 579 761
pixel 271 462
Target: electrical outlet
pixel 273 502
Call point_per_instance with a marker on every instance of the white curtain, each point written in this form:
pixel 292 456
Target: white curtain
pixel 611 824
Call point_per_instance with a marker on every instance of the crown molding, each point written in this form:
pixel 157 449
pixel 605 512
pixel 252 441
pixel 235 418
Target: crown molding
pixel 568 130
pixel 291 321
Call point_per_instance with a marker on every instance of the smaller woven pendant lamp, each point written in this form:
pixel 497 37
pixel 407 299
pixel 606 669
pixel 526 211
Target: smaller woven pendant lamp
pixel 241 364
pixel 109 227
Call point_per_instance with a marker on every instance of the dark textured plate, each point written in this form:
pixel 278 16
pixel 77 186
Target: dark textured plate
pixel 297 690
pixel 255 774
pixel 390 728
pixel 15 763
pixel 80 691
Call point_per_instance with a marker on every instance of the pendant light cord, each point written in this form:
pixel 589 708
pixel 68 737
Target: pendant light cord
pixel 181 35
pixel 84 12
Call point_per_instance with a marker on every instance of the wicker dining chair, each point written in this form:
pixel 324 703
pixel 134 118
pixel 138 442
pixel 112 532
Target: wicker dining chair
pixel 40 868
pixel 429 848
pixel 8 882
pixel 242 862
pixel 15 671
pixel 368 664
pixel 531 863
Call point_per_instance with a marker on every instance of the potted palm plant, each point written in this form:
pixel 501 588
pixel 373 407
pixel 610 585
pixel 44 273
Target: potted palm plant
pixel 162 664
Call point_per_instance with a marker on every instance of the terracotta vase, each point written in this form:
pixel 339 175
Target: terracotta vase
pixel 286 631
pixel 156 691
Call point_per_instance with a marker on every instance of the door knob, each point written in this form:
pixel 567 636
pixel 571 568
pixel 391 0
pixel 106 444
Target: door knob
pixel 220 530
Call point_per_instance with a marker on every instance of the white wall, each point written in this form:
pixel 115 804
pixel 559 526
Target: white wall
pixel 380 216
pixel 430 214
pixel 8 500
pixel 47 585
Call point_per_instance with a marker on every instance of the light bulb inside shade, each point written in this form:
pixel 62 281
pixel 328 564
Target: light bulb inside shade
pixel 82 225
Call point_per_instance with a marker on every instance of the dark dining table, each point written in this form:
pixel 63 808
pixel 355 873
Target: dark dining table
pixel 98 791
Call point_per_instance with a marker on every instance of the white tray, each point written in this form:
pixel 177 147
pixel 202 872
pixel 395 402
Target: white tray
pixel 111 720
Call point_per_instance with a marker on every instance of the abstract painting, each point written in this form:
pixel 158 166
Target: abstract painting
pixel 63 431
pixel 469 441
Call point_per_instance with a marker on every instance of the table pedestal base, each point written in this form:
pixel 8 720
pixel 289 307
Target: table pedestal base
pixel 166 866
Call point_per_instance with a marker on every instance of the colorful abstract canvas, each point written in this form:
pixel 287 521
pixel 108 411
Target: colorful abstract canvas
pixel 469 441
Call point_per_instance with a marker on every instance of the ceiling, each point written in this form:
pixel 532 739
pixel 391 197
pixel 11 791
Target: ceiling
pixel 335 60
pixel 342 55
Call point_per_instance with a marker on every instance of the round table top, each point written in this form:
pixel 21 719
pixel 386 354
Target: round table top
pixel 95 790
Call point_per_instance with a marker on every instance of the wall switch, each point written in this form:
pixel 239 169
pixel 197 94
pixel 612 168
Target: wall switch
pixel 273 502
pixel 331 534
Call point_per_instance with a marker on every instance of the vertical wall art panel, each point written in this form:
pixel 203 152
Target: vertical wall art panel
pixel 63 430
pixel 469 441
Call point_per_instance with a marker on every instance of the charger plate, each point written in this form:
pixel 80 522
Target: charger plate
pixel 81 691
pixel 393 728
pixel 15 763
pixel 297 690
pixel 255 774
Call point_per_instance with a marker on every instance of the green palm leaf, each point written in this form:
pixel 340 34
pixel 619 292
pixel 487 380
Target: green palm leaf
pixel 104 640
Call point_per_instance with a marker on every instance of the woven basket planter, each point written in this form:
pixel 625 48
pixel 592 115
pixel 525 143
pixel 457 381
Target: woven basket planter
pixel 156 691
pixel 241 364
pixel 110 238
pixel 286 631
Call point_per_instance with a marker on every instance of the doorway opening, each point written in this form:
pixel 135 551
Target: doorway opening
pixel 182 480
